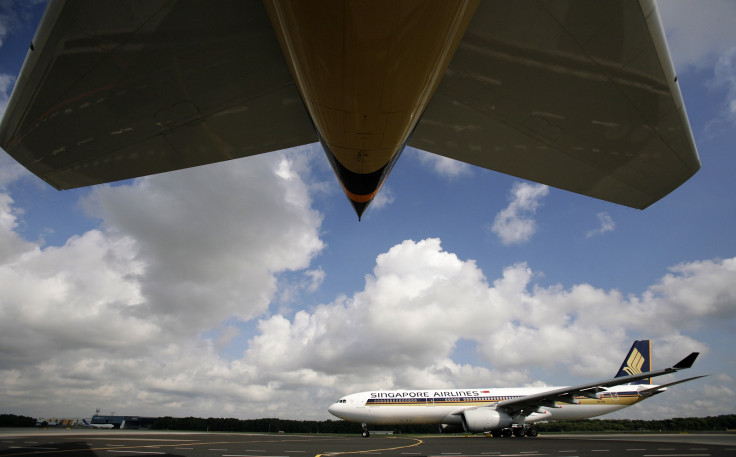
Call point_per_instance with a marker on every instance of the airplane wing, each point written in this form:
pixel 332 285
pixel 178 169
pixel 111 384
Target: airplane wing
pixel 567 394
pixel 579 95
pixel 116 90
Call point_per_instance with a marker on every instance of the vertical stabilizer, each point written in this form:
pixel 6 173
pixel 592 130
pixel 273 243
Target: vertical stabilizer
pixel 637 361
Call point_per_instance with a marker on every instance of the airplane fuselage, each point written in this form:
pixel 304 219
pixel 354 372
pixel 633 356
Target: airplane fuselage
pixel 444 406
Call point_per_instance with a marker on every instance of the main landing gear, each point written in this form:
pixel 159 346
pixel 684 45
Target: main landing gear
pixel 519 432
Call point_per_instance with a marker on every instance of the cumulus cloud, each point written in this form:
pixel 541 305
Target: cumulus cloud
pixel 606 225
pixel 514 224
pixel 400 331
pixel 206 236
pixel 175 256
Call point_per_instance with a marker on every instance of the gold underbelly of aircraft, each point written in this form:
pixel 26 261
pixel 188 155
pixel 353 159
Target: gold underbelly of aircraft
pixel 366 74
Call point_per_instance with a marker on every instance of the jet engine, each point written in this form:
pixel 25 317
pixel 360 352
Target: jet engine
pixel 485 419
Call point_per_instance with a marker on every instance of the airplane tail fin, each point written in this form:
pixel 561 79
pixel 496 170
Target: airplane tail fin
pixel 84 421
pixel 637 361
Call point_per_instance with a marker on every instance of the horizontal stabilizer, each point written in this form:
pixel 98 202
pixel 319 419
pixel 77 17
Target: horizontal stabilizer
pixel 652 390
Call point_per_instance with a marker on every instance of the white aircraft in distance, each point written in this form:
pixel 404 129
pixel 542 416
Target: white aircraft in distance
pixel 507 411
pixel 87 424
pixel 575 94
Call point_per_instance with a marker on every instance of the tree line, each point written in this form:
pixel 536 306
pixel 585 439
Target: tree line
pixel 678 424
pixel 274 425
pixel 11 420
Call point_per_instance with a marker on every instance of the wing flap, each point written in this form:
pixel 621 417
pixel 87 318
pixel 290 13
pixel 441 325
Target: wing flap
pixel 119 90
pixel 578 95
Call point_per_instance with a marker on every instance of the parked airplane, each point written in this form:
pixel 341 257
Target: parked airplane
pixel 87 424
pixel 575 94
pixel 507 411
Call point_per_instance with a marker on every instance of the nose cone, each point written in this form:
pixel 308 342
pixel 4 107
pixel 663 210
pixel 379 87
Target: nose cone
pixel 333 409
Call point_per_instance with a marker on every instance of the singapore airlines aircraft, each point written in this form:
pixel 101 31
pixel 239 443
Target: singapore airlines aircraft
pixel 507 411
pixel 575 94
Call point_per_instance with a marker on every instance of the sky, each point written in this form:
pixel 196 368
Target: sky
pixel 249 289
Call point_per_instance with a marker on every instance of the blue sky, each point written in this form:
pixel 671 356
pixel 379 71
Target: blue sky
pixel 249 289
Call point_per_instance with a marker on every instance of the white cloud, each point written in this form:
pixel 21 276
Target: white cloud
pixel 400 331
pixel 177 254
pixel 514 225
pixel 703 39
pixel 698 36
pixel 10 170
pixel 11 246
pixel 441 165
pixel 606 225
pixel 383 198
pixel 213 238
pixel 6 83
pixel 315 279
pixel 724 78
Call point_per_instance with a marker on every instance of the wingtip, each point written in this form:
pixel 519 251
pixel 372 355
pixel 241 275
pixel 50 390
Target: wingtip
pixel 687 362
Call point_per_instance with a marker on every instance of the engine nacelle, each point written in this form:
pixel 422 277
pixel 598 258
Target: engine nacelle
pixel 485 420
pixel 451 428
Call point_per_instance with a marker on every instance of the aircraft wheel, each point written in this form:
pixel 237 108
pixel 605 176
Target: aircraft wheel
pixel 495 433
pixel 519 432
pixel 506 433
pixel 532 432
pixel 366 434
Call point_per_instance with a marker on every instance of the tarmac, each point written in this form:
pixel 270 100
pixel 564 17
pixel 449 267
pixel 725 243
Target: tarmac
pixel 121 443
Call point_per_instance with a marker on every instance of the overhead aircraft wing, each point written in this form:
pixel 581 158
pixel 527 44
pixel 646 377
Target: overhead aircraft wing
pixel 567 394
pixel 579 95
pixel 116 90
pixel 575 94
